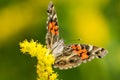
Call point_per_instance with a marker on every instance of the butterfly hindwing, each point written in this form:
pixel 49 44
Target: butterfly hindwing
pixel 52 35
pixel 73 55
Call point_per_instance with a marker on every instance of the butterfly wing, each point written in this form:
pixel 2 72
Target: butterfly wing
pixel 73 55
pixel 52 35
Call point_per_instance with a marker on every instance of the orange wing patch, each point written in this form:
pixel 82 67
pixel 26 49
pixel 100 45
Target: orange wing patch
pixel 53 28
pixel 81 52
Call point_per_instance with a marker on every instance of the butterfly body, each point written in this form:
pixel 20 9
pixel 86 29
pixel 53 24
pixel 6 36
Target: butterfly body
pixel 67 56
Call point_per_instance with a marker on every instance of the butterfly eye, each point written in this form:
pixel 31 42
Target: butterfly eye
pixel 61 63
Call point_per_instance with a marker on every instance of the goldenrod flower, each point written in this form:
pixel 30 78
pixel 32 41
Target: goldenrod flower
pixel 45 60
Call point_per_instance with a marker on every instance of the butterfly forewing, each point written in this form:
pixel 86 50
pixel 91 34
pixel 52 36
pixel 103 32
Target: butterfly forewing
pixel 52 35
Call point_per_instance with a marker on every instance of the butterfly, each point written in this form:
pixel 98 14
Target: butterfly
pixel 68 56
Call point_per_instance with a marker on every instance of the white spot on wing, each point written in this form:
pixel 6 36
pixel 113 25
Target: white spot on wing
pixel 90 47
pixel 54 16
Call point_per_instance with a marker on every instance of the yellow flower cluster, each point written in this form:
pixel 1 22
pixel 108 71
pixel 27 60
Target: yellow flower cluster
pixel 45 60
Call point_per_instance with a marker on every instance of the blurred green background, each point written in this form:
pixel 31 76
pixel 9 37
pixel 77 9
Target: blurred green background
pixel 95 22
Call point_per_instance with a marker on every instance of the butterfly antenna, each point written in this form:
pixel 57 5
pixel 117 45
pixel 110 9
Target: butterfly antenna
pixel 75 39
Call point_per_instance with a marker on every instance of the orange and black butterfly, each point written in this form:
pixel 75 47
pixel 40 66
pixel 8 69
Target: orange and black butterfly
pixel 68 56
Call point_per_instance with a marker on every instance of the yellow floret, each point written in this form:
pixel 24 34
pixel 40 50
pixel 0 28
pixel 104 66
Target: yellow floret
pixel 45 60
